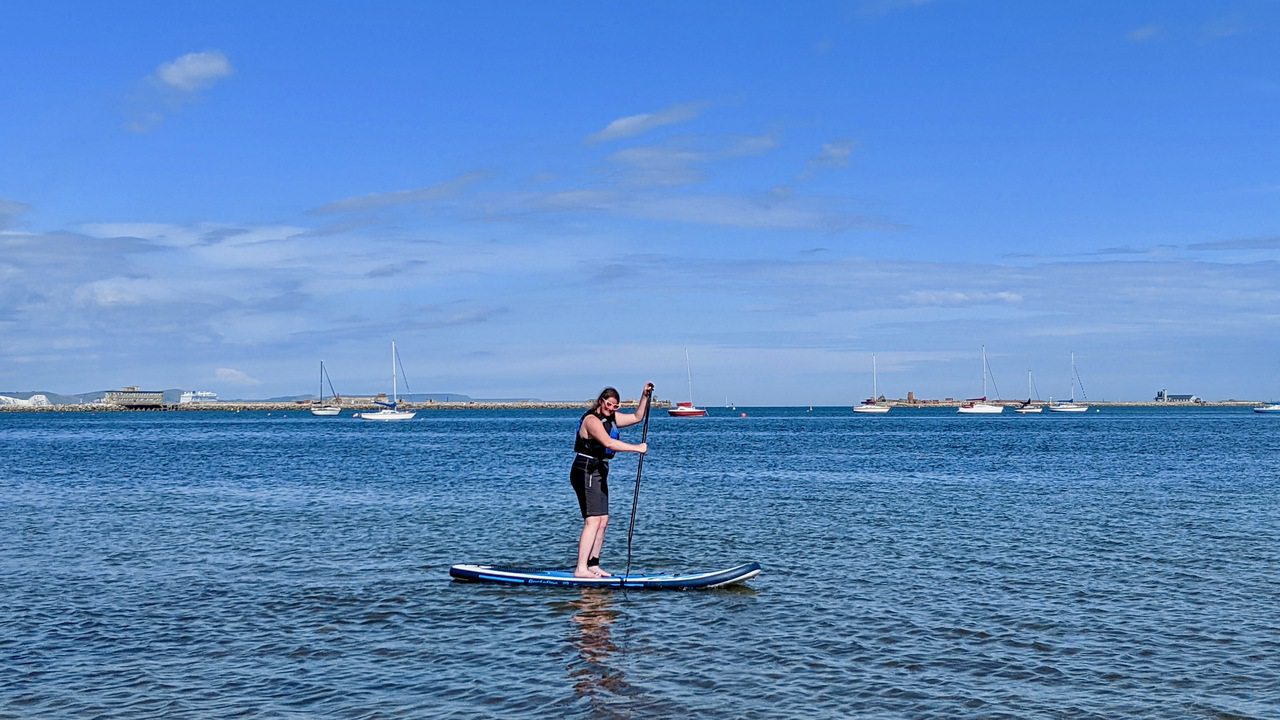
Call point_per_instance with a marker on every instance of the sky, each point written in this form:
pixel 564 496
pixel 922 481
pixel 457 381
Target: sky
pixel 535 200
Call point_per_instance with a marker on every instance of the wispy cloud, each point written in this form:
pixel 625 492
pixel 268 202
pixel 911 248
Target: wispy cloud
pixel 754 145
pixel 634 125
pixel 954 298
pixel 1145 33
pixel 1224 27
pixel 194 71
pixel 9 212
pixel 174 85
pixel 885 7
pixel 834 154
pixel 658 166
pixel 1258 243
pixel 231 376
pixel 424 195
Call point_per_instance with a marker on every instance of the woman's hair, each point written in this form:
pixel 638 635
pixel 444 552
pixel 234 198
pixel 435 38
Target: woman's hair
pixel 605 394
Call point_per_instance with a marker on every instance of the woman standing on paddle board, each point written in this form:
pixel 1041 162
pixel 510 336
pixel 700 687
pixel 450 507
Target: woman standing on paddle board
pixel 596 442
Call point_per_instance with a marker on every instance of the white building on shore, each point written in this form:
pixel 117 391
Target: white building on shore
pixel 197 396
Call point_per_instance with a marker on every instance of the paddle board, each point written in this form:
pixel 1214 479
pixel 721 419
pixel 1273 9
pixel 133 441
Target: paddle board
pixel 647 581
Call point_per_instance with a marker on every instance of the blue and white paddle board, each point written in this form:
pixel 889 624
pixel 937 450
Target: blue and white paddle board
pixel 646 581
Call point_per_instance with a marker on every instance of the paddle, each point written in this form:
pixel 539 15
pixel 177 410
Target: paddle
pixel 635 500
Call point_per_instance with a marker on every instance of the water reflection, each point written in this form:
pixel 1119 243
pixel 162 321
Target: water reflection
pixel 593 674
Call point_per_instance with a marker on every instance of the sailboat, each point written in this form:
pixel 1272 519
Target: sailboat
pixel 1028 406
pixel 980 406
pixel 687 409
pixel 322 408
pixel 871 405
pixel 1071 405
pixel 390 410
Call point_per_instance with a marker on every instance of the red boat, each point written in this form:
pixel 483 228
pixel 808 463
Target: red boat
pixel 686 409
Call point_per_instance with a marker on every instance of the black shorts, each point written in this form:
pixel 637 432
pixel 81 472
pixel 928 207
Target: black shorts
pixel 590 480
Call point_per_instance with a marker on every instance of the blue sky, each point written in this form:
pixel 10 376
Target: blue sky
pixel 535 200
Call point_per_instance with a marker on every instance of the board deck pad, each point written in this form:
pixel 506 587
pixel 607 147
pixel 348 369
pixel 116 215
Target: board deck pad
pixel 647 581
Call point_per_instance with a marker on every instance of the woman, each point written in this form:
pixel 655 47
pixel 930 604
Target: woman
pixel 596 443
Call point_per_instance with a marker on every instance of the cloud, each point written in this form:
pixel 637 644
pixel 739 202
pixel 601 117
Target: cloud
pixel 194 71
pixel 161 234
pixel 755 145
pixel 1258 243
pixel 1224 27
pixel 655 166
pixel 885 7
pixel 1145 33
pixel 173 86
pixel 232 376
pixel 634 125
pixel 945 298
pixel 834 154
pixel 377 201
pixel 116 291
pixel 9 212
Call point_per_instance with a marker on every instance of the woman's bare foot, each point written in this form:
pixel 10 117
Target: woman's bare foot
pixel 599 571
pixel 581 572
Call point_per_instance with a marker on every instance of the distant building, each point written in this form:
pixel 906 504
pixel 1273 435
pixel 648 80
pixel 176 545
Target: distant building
pixel 132 397
pixel 198 396
pixel 1164 397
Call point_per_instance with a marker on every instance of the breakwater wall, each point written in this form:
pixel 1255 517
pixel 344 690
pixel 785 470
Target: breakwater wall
pixel 358 406
pixel 347 405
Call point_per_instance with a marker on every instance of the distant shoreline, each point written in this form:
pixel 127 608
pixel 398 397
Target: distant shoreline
pixel 264 406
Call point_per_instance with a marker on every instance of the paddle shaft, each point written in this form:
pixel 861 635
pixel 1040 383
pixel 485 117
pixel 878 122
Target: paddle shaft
pixel 635 499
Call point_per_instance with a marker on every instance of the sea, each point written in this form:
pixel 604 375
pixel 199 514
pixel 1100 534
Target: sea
pixel 1123 563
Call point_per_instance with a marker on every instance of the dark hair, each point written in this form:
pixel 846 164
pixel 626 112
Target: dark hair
pixel 605 394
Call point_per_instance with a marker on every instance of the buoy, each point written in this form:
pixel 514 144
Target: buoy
pixel 743 415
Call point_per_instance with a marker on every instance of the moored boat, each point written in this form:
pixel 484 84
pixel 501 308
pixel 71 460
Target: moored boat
pixel 979 405
pixel 686 409
pixel 872 405
pixel 322 408
pixel 390 410
pixel 1029 407
pixel 1071 406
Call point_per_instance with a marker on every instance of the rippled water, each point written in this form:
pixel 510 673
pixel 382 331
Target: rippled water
pixel 920 564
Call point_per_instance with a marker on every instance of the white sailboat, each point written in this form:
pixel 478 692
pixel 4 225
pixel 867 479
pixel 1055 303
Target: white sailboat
pixel 322 408
pixel 1029 407
pixel 687 409
pixel 1071 406
pixel 980 406
pixel 872 405
pixel 1273 408
pixel 390 410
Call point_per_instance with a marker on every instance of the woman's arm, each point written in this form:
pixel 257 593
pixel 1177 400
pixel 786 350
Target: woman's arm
pixel 595 429
pixel 642 410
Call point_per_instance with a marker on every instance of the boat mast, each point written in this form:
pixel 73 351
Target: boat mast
pixel 689 370
pixel 321 382
pixel 395 399
pixel 984 373
pixel 875 387
pixel 1073 376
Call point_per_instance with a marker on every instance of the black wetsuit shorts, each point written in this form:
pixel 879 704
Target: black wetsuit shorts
pixel 590 480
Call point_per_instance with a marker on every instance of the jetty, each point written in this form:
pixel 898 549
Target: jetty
pixel 353 404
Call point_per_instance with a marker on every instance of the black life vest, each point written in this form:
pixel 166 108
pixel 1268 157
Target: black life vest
pixel 589 446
